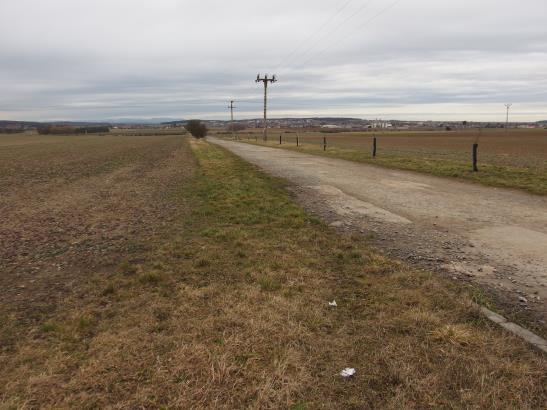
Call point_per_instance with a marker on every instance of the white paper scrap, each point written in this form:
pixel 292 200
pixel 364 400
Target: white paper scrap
pixel 347 372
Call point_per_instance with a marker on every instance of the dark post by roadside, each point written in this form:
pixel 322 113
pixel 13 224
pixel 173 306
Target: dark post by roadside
pixel 374 147
pixel 324 143
pixel 475 157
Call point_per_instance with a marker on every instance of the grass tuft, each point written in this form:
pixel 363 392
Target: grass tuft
pixel 109 290
pixel 269 284
pixel 202 263
pixel 126 268
pixel 150 278
pixel 49 328
pixel 453 334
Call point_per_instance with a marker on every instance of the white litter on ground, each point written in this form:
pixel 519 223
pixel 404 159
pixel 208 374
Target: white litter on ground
pixel 347 372
pixel 333 303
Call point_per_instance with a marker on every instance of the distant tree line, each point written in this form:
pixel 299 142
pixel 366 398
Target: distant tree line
pixel 67 130
pixel 11 130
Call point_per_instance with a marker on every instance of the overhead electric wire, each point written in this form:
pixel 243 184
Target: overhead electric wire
pixel 333 30
pixel 365 25
pixel 325 23
pixel 330 43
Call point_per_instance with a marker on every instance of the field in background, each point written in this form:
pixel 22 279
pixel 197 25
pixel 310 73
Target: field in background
pixel 150 272
pixel 516 159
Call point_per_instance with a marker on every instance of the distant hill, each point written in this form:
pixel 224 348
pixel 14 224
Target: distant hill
pixel 18 124
pixel 176 122
pixel 143 121
pixel 107 122
pixel 36 124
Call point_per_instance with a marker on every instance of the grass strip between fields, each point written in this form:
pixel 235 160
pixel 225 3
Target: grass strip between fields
pixel 530 179
pixel 231 311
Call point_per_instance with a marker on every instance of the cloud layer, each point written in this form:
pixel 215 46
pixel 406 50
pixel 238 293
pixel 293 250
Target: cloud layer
pixel 414 59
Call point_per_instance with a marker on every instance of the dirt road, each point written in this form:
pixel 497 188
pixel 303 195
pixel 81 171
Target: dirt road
pixel 494 237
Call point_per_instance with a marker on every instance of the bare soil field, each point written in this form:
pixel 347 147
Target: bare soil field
pixel 62 195
pixel 163 272
pixel 75 210
pixel 516 159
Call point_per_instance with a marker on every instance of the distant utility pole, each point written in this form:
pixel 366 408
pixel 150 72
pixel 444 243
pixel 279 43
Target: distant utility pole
pixel 231 107
pixel 508 106
pixel 266 80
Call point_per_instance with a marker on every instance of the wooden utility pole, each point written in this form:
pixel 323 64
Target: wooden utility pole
pixel 508 107
pixel 266 80
pixel 231 107
pixel 475 157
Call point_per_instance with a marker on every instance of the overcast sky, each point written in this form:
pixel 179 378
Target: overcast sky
pixel 406 59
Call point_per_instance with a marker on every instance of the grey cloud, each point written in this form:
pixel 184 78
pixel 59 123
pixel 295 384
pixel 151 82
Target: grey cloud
pixel 77 59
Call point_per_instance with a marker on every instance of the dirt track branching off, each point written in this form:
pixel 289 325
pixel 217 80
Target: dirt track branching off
pixel 180 276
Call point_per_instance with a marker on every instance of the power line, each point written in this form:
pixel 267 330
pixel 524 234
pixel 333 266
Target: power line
pixel 325 23
pixel 365 25
pixel 250 102
pixel 343 22
pixel 267 80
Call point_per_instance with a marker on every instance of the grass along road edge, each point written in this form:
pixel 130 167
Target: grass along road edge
pixel 389 316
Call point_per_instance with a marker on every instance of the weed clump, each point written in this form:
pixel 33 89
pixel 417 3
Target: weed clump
pixel 49 327
pixel 269 284
pixel 202 263
pixel 85 323
pixel 150 278
pixel 108 290
pixel 126 268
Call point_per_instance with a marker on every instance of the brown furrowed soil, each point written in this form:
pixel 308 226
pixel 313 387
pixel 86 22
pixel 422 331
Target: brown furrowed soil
pixel 76 212
pixel 516 159
pixel 171 274
pixel 72 205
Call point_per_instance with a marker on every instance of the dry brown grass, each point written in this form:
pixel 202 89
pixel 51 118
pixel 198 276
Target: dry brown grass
pixel 227 307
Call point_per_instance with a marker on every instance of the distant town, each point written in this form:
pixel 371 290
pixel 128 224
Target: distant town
pixel 326 123
pixel 360 124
